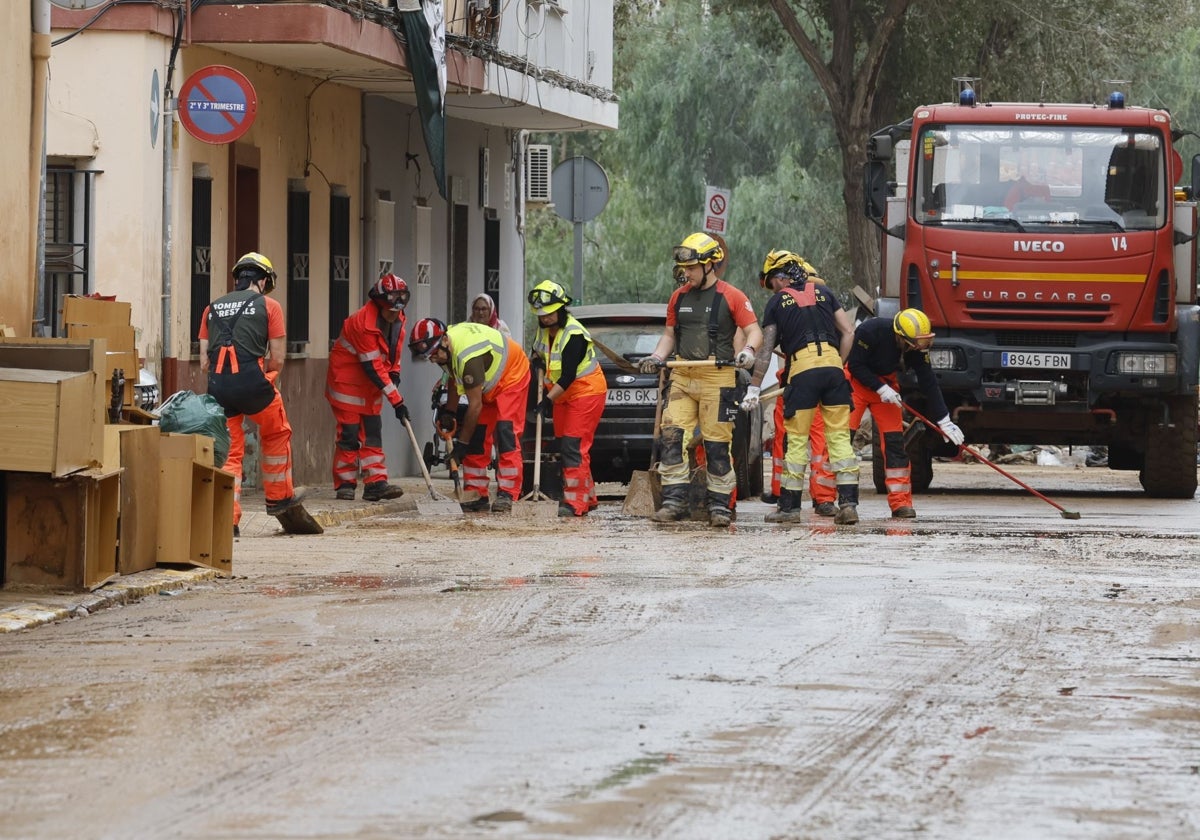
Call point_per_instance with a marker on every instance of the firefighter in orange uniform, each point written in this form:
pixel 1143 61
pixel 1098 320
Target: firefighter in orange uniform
pixel 364 367
pixel 242 350
pixel 493 372
pixel 575 391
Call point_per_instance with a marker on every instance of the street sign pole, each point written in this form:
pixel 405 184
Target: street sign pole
pixel 579 189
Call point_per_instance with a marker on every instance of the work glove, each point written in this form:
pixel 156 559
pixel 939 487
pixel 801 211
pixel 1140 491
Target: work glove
pixel 546 407
pixel 458 452
pixel 394 375
pixel 889 394
pixel 650 364
pixel 447 420
pixel 951 431
pixel 751 399
pixel 401 411
pixel 745 357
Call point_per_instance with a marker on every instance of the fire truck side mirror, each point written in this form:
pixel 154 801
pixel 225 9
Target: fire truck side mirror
pixel 879 147
pixel 1195 177
pixel 876 190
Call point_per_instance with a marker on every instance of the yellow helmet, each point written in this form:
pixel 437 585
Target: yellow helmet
pixel 785 262
pixel 250 268
pixel 548 297
pixel 913 327
pixel 697 248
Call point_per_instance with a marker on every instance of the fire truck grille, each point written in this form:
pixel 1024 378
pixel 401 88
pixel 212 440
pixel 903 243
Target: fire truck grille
pixel 1049 313
pixel 1028 338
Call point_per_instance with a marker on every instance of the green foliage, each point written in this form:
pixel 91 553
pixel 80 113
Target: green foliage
pixel 726 99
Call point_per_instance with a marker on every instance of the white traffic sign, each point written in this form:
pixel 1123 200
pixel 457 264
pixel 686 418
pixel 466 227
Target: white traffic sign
pixel 716 210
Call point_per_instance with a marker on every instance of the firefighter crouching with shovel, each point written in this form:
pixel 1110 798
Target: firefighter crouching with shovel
pixel 702 317
pixel 815 334
pixel 575 391
pixel 492 371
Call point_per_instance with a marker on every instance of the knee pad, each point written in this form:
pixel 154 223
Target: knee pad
pixel 347 439
pixel 568 449
pixel 893 443
pixel 505 440
pixel 716 454
pixel 672 445
pixel 373 431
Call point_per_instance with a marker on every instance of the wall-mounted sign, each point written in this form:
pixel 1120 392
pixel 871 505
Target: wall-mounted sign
pixel 217 104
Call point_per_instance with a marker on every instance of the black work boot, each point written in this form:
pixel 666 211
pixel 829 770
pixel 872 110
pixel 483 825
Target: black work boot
pixel 824 508
pixel 503 503
pixel 674 504
pixel 847 505
pixel 789 508
pixel 720 515
pixel 345 492
pixel 377 491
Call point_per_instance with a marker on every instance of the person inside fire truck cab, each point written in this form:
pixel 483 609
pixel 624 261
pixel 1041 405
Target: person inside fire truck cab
pixel 364 367
pixel 242 350
pixel 574 391
pixel 702 317
pixel 822 484
pixel 493 372
pixel 808 323
pixel 882 348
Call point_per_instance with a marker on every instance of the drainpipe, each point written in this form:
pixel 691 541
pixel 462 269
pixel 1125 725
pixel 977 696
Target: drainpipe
pixel 522 142
pixel 40 62
pixel 168 126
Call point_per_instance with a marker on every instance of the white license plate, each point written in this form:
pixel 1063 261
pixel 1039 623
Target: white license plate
pixel 630 396
pixel 1036 360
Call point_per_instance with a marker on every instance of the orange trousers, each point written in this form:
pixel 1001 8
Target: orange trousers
pixel 276 436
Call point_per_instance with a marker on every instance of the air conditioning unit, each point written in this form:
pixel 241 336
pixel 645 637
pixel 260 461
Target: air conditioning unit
pixel 537 174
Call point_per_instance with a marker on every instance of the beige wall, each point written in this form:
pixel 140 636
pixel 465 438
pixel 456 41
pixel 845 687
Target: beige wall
pixel 17 232
pixel 297 117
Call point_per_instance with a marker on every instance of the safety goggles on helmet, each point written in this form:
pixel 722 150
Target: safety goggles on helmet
pixel 540 298
pixel 390 291
pixel 426 338
pixel 914 328
pixel 697 248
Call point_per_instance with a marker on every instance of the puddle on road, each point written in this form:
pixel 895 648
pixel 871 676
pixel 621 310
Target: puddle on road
pixel 630 770
pixel 346 581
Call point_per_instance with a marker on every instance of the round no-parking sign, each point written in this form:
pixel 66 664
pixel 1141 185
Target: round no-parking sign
pixel 217 104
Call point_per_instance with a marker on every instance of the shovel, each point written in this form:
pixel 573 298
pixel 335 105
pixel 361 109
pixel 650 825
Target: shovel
pixel 438 505
pixel 297 520
pixel 645 488
pixel 536 504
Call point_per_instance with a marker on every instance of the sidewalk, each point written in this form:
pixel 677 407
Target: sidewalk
pixel 23 608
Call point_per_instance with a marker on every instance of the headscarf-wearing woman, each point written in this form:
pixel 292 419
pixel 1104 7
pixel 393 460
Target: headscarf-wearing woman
pixel 483 311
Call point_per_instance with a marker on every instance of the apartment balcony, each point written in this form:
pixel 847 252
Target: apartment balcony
pixel 512 64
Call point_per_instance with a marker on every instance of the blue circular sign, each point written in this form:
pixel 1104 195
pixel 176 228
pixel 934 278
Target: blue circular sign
pixel 217 104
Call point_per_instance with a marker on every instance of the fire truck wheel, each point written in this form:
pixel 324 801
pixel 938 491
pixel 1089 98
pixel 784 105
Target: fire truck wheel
pixel 1170 466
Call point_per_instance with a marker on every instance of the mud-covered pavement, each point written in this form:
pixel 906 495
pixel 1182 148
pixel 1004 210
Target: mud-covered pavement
pixel 987 670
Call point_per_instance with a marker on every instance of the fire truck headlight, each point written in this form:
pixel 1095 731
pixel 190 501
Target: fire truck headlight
pixel 1146 364
pixel 946 358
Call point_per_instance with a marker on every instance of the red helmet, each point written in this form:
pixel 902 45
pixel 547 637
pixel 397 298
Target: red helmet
pixel 426 336
pixel 390 292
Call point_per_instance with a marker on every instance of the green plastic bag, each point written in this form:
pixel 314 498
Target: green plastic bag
pixel 190 413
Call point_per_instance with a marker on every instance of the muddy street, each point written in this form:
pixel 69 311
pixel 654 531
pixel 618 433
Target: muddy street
pixel 989 669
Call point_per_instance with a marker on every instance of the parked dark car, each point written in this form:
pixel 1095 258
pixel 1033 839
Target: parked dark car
pixel 625 436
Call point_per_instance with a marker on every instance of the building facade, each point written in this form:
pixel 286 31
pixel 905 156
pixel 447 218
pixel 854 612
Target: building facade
pixel 332 180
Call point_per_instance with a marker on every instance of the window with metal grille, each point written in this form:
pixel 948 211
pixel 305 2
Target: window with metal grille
pixel 201 282
pixel 297 270
pixel 339 263
pixel 68 269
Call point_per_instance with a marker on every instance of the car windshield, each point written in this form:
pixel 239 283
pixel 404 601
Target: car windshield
pixel 630 340
pixel 1070 179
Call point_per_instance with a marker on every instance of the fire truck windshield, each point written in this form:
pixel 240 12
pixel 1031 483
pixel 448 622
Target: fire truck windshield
pixel 994 177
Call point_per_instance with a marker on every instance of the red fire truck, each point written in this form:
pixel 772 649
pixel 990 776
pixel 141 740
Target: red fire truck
pixel 1056 260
